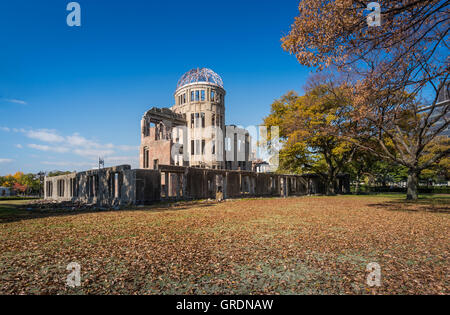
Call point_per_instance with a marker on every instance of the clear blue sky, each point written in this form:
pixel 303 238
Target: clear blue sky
pixel 68 94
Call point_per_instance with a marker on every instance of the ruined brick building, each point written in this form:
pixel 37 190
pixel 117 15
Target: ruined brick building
pixel 187 152
pixel 193 131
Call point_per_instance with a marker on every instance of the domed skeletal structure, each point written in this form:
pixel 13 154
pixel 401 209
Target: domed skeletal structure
pixel 193 131
pixel 200 75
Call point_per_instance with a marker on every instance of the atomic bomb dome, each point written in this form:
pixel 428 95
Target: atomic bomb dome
pixel 200 75
pixel 195 124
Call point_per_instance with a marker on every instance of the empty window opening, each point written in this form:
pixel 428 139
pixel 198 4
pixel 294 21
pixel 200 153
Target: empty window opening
pixel 60 188
pixel 92 185
pixel 197 120
pixel 116 185
pixel 75 187
pixel 49 189
pixel 71 184
pixel 163 184
pixel 89 186
pixel 146 158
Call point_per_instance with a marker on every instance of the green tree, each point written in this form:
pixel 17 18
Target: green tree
pixel 8 181
pixel 307 127
pixel 361 167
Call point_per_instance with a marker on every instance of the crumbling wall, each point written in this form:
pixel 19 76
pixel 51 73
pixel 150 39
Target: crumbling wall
pixel 233 185
pixel 120 185
pixel 196 184
pixel 105 187
pixel 263 184
pixel 58 187
pixel 148 186
pixel 156 141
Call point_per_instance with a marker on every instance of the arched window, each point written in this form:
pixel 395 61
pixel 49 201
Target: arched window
pixel 146 158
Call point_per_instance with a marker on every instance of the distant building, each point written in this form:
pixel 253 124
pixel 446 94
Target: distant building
pixel 5 192
pixel 442 105
pixel 260 166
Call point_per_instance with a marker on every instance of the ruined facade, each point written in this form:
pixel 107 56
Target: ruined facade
pixel 105 187
pixel 160 131
pixel 121 185
pixel 193 131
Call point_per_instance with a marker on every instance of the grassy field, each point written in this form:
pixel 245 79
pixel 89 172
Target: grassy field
pixel 305 245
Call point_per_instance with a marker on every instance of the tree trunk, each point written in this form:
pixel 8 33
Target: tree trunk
pixel 330 177
pixel 330 187
pixel 357 185
pixel 412 184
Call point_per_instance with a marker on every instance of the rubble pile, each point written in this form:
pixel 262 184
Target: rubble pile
pixel 48 205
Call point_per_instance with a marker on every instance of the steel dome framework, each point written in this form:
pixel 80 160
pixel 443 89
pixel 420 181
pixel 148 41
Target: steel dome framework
pixel 200 75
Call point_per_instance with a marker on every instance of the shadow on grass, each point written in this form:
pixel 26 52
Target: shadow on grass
pixel 10 212
pixel 437 204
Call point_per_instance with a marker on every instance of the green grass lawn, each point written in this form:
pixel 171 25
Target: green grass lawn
pixel 403 196
pixel 298 245
pixel 423 198
pixel 13 207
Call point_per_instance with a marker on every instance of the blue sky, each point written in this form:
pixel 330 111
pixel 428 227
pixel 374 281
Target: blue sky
pixel 69 94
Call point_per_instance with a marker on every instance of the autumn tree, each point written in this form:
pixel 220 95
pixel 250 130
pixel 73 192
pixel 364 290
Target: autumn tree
pixel 20 188
pixel 400 71
pixel 441 170
pixel 8 181
pixel 407 135
pixel 32 182
pixel 305 124
pixel 24 183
